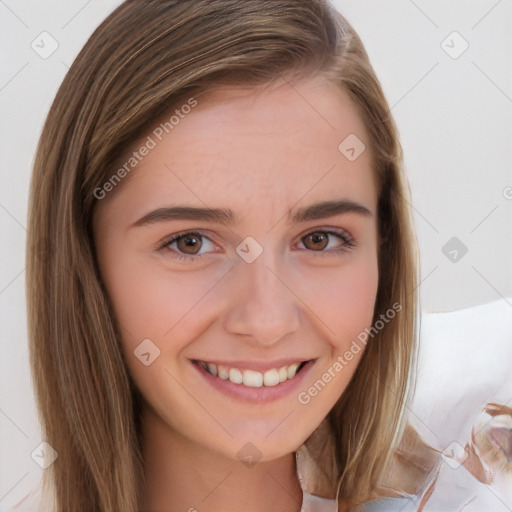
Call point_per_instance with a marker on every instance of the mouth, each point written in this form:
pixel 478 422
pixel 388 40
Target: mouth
pixel 252 378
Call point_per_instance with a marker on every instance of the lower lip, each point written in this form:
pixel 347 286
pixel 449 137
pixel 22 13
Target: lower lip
pixel 255 395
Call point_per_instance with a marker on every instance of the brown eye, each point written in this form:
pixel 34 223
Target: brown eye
pixel 189 243
pixel 316 241
pixel 328 242
pixel 188 247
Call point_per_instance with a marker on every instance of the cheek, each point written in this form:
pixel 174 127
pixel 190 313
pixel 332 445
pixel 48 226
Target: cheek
pixel 343 299
pixel 150 302
pixel 355 303
pixel 162 307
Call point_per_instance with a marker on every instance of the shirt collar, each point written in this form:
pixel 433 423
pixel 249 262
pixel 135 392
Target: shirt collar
pixel 317 471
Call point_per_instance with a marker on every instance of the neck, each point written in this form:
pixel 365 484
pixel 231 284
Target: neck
pixel 183 476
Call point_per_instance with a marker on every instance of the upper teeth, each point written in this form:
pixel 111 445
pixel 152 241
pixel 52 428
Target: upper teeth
pixel 252 378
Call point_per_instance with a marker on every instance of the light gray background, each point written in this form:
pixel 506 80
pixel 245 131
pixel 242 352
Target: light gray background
pixel 454 116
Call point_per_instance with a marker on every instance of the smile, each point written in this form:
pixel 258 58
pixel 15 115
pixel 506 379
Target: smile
pixel 252 378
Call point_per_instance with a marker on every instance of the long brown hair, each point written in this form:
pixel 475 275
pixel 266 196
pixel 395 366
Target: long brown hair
pixel 144 59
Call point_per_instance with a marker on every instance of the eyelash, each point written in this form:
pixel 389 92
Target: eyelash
pixel 349 244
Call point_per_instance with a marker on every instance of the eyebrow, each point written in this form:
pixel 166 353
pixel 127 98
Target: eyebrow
pixel 226 217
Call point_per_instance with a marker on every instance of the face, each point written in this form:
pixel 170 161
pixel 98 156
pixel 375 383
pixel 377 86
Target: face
pixel 240 256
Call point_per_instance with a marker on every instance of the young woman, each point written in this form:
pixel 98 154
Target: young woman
pixel 221 268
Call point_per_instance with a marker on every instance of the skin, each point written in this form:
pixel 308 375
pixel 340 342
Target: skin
pixel 263 154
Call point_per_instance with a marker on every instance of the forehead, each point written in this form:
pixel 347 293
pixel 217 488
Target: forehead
pixel 263 148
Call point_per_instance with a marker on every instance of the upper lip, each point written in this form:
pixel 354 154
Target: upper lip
pixel 258 366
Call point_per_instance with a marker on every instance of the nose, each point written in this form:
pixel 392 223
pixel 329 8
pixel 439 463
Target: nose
pixel 262 304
